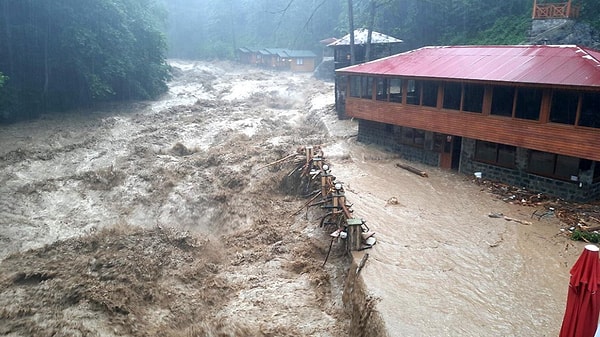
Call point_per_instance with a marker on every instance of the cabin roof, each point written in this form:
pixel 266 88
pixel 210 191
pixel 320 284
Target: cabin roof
pixel 287 52
pixel 543 64
pixel 273 51
pixel 300 53
pixel 360 37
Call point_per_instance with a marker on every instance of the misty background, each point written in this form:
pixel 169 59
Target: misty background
pixel 66 54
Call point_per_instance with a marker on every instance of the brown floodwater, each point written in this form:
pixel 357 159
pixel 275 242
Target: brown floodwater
pixel 442 266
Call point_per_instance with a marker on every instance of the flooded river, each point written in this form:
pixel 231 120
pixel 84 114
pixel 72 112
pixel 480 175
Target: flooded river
pixel 441 267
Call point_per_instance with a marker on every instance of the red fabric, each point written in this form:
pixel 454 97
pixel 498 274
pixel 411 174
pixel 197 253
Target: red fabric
pixel 583 298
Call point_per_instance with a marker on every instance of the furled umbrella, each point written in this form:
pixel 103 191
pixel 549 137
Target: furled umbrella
pixel 583 298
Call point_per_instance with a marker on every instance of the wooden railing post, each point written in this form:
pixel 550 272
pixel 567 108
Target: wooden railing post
pixel 354 233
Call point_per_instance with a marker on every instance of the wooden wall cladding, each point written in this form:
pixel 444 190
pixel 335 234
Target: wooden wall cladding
pixel 550 137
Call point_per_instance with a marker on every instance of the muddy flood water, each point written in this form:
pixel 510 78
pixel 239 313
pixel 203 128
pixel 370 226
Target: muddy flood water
pixel 160 218
pixel 443 267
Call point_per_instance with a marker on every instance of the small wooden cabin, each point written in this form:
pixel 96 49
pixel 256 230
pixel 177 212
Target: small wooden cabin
pixel 248 56
pixel 287 59
pixel 273 58
pixel 301 60
pixel 525 115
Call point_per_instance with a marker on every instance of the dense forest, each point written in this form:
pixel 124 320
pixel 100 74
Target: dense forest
pixel 63 54
pixel 207 29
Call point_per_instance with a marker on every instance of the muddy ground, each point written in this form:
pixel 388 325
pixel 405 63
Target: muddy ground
pixel 160 218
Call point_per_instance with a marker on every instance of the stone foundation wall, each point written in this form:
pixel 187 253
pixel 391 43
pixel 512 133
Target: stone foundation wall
pixel 388 136
pixel 581 191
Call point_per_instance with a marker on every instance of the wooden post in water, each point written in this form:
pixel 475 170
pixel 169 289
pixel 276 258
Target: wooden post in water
pixel 354 233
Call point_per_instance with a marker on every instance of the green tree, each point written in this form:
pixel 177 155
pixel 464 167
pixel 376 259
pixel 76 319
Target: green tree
pixel 71 53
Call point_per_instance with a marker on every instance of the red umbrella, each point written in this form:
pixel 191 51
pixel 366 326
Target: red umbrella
pixel 583 299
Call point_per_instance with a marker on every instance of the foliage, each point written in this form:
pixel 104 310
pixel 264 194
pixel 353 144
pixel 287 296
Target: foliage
pixel 589 12
pixel 71 53
pixel 505 31
pixel 579 235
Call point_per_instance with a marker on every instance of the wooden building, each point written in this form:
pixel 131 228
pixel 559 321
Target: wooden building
pixel 525 115
pixel 278 58
pixel 300 60
pixel 249 56
pixel 381 46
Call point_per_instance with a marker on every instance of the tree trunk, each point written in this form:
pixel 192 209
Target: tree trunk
pixel 372 8
pixel 8 38
pixel 351 27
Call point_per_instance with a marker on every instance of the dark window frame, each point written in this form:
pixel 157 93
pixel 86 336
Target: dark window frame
pixel 416 139
pixel 382 87
pixel 591 119
pixel 429 93
pixel 555 167
pixel 566 115
pixel 497 151
pixel 499 103
pixel 526 101
pixel 449 102
pixel 366 87
pixel 413 87
pixel 468 92
pixel 354 86
pixel 396 96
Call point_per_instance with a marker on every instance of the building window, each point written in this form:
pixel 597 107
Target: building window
pixel 554 165
pixel 564 107
pixel 430 93
pixel 496 154
pixel 361 87
pixel 542 163
pixel 382 89
pixel 529 102
pixel 473 97
pixel 452 93
pixel 413 137
pixel 396 90
pixel 502 101
pixel 299 61
pixel 413 92
pixel 354 86
pixel 442 143
pixel 366 87
pixel 590 110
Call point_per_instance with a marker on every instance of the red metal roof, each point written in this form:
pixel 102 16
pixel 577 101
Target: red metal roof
pixel 552 65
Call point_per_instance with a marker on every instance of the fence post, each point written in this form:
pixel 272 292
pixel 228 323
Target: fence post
pixel 354 233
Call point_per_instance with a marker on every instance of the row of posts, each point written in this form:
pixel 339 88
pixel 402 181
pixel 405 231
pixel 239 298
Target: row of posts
pixel 333 197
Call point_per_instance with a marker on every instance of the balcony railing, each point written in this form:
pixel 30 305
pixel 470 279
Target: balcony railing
pixel 562 10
